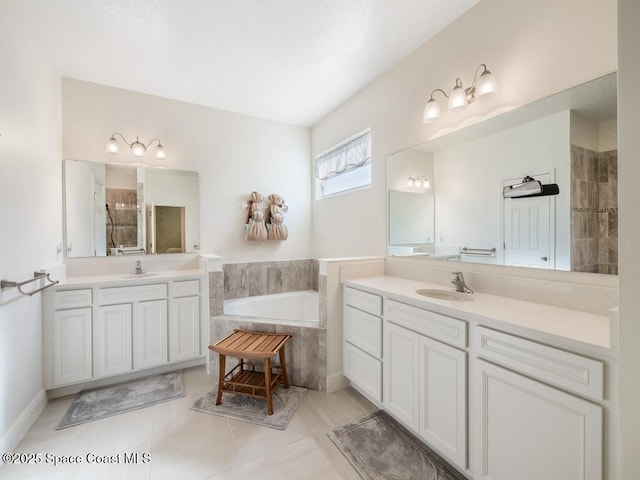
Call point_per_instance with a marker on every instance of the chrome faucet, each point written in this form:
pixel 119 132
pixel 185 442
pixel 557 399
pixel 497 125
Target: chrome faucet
pixel 138 267
pixel 458 283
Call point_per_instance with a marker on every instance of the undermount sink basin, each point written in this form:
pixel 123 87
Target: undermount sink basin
pixel 445 295
pixel 140 275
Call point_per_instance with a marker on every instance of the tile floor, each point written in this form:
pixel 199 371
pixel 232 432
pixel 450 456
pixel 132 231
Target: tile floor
pixel 181 443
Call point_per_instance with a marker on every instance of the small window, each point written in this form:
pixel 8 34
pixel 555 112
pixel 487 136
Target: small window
pixel 346 166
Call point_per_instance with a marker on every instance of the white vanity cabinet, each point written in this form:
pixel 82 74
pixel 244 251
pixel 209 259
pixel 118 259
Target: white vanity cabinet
pixel 528 429
pixel 70 334
pixel 185 320
pixel 114 329
pixel 362 335
pixel 425 379
pixel 101 331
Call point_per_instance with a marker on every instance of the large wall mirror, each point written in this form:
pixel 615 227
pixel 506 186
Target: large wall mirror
pixel 568 139
pixel 113 209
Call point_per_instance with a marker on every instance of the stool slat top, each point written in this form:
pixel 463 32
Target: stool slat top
pixel 250 345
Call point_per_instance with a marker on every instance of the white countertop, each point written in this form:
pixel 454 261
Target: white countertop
pixel 115 279
pixel 538 321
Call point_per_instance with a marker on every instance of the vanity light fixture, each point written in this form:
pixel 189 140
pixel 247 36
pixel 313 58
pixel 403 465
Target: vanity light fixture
pixel 460 97
pixel 137 148
pixel 418 182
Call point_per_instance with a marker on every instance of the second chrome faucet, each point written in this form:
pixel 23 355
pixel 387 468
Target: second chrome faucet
pixel 459 284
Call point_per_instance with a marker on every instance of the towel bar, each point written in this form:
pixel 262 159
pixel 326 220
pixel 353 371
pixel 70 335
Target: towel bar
pixel 36 276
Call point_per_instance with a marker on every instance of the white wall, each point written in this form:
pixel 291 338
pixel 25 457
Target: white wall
pixel 30 216
pixel 233 154
pixel 533 48
pixel 629 232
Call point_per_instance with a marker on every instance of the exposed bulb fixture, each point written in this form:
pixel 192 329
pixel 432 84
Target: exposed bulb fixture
pixel 137 148
pixel 460 97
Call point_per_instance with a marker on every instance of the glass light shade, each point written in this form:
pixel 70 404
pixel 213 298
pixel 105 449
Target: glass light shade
pixel 425 183
pixel 138 149
pixel 431 111
pixel 160 155
pixel 411 182
pixel 458 98
pixel 112 146
pixel 487 84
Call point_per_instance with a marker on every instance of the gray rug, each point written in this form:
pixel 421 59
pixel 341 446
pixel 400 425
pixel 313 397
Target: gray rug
pixel 108 401
pixel 381 449
pixel 254 410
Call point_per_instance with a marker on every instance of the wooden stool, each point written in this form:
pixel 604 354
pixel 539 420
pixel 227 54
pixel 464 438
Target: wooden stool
pixel 247 345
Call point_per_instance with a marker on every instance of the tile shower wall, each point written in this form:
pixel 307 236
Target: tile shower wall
pixel 266 278
pixel 594 211
pixel 122 218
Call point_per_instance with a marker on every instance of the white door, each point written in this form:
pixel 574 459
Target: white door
pixel 401 374
pixel 112 340
pixel 528 229
pixel 150 334
pixel 72 345
pixel 443 399
pixel 526 430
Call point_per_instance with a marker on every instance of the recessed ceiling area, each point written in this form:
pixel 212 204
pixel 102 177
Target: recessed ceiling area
pixel 291 61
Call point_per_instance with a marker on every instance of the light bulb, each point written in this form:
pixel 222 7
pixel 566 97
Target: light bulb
pixel 458 97
pixel 431 111
pixel 487 84
pixel 160 155
pixel 112 146
pixel 138 148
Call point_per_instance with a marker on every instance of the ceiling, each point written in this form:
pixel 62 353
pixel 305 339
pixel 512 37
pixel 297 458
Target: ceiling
pixel 291 61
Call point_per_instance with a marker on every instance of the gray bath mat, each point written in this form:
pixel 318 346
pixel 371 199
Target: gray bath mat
pixel 254 410
pixel 381 449
pixel 108 401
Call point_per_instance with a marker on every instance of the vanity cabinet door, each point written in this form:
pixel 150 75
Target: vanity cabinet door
pixel 72 346
pixel 112 340
pixel 528 430
pixel 401 374
pixel 150 334
pixel 443 399
pixel 184 328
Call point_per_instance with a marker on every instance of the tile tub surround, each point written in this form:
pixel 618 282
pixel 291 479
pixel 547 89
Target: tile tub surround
pixel 306 351
pixel 307 360
pixel 265 278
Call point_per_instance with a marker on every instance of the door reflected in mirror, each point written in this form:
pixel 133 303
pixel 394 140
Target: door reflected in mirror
pixel 568 139
pixel 108 210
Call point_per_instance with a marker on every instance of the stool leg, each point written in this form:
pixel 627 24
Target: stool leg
pixel 220 379
pixel 283 366
pixel 267 381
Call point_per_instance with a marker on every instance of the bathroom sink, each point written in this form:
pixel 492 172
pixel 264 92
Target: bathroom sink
pixel 140 275
pixel 445 295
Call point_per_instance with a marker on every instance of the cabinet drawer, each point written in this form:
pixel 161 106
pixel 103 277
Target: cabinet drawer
pixel 72 299
pixel 568 371
pixel 136 293
pixel 367 302
pixel 364 372
pixel 363 330
pixel 440 327
pixel 185 288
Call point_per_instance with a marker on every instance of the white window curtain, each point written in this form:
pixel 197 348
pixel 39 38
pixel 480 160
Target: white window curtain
pixel 354 152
